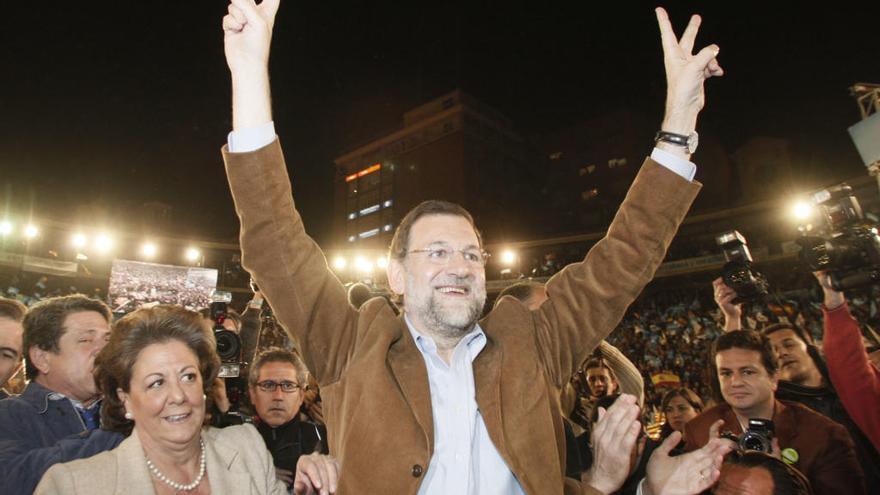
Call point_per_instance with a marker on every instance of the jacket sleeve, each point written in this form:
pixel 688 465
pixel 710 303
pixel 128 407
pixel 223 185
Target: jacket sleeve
pixel 586 300
pixel 308 299
pixel 856 380
pixel 23 466
pixel 56 481
pixel 628 376
pixel 251 325
pixel 838 466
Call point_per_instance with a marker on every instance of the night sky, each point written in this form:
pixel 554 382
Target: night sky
pixel 107 105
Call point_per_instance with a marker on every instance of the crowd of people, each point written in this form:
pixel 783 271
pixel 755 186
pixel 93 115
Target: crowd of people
pixel 430 393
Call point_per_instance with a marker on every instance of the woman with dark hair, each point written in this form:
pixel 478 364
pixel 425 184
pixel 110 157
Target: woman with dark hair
pixel 154 374
pixel 679 406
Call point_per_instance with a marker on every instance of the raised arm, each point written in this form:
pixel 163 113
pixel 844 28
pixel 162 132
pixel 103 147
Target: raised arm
pixel 686 72
pixel 587 300
pixel 283 260
pixel 247 36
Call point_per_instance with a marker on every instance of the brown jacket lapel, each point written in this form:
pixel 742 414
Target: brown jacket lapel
pixel 409 370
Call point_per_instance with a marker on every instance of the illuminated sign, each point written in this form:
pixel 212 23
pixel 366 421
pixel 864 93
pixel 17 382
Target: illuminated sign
pixel 368 170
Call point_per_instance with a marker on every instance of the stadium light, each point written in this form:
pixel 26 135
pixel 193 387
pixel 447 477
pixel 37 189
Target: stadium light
pixel 340 263
pixel 149 250
pixel 508 257
pixel 193 254
pixel 362 265
pixel 5 228
pixel 31 231
pixel 382 262
pixel 801 210
pixel 103 243
pixel 79 240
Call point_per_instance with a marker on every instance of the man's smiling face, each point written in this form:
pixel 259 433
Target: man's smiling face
pixel 443 283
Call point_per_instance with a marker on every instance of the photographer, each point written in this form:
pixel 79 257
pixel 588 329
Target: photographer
pixel 229 394
pixel 804 378
pixel 277 382
pixel 857 380
pixel 747 372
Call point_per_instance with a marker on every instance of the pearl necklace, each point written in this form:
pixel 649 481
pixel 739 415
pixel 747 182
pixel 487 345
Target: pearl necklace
pixel 180 487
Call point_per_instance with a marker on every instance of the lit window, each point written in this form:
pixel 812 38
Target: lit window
pixel 388 203
pixel 369 209
pixel 352 216
pixel 369 233
pixel 387 228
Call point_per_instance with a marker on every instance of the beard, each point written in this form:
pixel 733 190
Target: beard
pixel 449 319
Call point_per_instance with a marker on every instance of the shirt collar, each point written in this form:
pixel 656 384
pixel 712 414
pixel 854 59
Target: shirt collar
pixel 474 340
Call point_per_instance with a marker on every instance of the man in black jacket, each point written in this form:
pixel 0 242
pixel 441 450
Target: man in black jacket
pixel 277 382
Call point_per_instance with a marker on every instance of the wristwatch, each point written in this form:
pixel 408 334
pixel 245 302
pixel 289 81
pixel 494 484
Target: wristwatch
pixel 689 142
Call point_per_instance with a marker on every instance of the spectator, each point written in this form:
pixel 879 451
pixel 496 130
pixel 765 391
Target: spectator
pixel 679 406
pixel 62 336
pixel 747 372
pixel 11 314
pixel 277 382
pixel 154 373
pixel 803 378
pixel 856 379
pixel 757 473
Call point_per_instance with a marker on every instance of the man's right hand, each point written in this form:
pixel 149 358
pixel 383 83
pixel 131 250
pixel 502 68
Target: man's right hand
pixel 247 36
pixel 724 296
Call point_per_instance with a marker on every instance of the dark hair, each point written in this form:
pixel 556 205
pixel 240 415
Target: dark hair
pixel 685 393
pixel 131 335
pixel 813 350
pixel 521 290
pixel 748 340
pixel 44 323
pixel 804 336
pixel 786 479
pixel 400 241
pixel 598 362
pixel 12 309
pixel 278 355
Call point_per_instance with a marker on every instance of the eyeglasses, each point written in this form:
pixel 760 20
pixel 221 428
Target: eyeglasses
pixel 286 387
pixel 442 255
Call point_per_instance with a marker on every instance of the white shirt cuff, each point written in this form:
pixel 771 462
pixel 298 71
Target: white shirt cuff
pixel 251 138
pixel 678 165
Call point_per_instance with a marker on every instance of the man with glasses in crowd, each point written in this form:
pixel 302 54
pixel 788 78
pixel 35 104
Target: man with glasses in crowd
pixel 277 383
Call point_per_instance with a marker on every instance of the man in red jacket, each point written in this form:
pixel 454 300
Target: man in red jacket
pixel 747 371
pixel 856 379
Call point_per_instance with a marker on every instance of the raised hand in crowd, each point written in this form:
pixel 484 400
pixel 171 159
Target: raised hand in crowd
pixel 316 474
pixel 724 296
pixel 832 298
pixel 613 439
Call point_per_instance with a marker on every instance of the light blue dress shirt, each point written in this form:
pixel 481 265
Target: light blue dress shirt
pixel 465 461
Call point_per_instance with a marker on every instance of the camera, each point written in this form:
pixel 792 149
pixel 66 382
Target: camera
pixel 844 244
pixel 758 436
pixel 228 342
pixel 748 284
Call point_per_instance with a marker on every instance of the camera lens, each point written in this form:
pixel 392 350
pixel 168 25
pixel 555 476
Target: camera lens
pixel 228 345
pixel 755 442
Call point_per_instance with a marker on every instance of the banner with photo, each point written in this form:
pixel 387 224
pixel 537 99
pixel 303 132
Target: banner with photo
pixel 135 284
